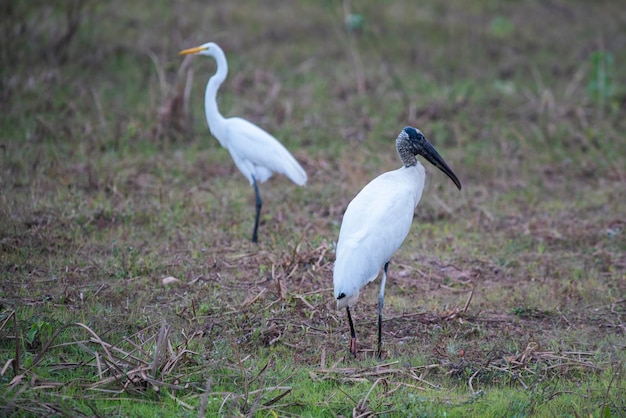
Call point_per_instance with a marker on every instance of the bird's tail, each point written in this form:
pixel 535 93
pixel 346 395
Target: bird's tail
pixel 294 171
pixel 347 301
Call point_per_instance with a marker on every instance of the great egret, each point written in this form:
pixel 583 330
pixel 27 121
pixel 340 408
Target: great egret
pixel 255 152
pixel 378 220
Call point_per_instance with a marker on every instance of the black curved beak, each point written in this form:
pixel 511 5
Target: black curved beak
pixel 430 153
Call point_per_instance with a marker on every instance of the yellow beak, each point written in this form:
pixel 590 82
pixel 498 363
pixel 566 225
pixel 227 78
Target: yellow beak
pixel 191 50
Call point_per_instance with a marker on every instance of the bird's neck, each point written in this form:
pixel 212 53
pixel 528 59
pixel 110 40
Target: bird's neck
pixel 409 160
pixel 213 116
pixel 405 151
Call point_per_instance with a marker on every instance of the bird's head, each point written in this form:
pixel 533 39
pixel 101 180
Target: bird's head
pixel 412 142
pixel 210 49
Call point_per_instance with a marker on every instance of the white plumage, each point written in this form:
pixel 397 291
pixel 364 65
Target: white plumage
pixel 375 224
pixel 256 153
pixel 378 220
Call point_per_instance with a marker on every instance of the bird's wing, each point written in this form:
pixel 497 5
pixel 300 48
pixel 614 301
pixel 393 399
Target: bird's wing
pixel 258 154
pixel 374 226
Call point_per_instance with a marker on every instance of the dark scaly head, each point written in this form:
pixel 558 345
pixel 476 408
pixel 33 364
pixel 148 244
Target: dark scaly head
pixel 411 142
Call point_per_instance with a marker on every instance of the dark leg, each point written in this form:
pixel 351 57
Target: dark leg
pixel 352 333
pixel 259 203
pixel 381 303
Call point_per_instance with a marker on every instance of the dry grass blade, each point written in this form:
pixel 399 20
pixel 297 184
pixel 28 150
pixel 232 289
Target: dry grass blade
pixel 46 346
pixel 421 379
pixel 277 398
pixel 261 377
pixel 249 301
pixel 181 402
pixel 303 300
pixel 114 364
pixel 15 361
pixel 171 363
pixel 361 410
pixel 7 317
pixel 159 348
pixel 469 382
pixel 8 363
pixel 364 374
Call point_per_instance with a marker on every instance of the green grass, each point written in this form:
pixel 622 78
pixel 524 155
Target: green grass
pixel 506 299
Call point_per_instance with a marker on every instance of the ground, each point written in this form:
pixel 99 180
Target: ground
pixel 129 287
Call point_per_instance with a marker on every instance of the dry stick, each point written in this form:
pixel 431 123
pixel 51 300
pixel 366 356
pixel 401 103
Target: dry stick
pixel 275 340
pixel 102 286
pixel 204 400
pixel 252 392
pixel 155 382
pixel 141 331
pixel 242 372
pixel 131 377
pixel 187 93
pixel 160 73
pixel 408 385
pixel 120 373
pixel 170 364
pixel 279 285
pixel 258 375
pixel 300 297
pixel 46 346
pixel 126 355
pixel 111 360
pixel 469 299
pixel 352 370
pixel 318 291
pixel 170 349
pixel 159 347
pixel 18 344
pixel 257 400
pixel 581 364
pixel 277 398
pixel 99 365
pixel 519 378
pixel 361 404
pixel 293 270
pixel 420 379
pixel 181 403
pixel 6 366
pixel 250 301
pixel 99 109
pixel 88 350
pixel 470 381
pixel 296 248
pixel 322 255
pixel 228 395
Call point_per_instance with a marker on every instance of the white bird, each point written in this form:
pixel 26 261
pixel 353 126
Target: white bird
pixel 256 153
pixel 378 220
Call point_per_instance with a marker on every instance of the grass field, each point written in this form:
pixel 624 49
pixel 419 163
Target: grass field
pixel 129 286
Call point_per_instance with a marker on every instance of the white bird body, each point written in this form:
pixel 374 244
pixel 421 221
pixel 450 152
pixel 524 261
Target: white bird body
pixel 256 153
pixel 375 225
pixel 377 221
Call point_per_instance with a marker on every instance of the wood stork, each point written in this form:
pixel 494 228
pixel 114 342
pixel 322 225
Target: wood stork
pixel 255 152
pixel 378 220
